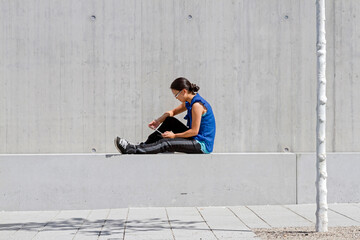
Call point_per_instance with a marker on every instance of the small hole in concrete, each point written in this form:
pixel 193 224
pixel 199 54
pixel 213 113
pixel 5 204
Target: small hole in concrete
pixel 286 17
pixel 286 149
pixel 93 150
pixel 189 17
pixel 93 17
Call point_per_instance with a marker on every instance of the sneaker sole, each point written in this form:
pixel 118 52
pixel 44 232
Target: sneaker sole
pixel 115 143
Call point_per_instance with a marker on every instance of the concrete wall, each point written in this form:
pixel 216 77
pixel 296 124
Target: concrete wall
pixel 90 181
pixel 74 74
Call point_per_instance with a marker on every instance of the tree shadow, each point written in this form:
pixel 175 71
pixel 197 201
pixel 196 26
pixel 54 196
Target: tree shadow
pixel 107 227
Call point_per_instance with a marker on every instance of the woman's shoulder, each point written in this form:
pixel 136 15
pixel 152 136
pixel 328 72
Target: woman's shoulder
pixel 199 106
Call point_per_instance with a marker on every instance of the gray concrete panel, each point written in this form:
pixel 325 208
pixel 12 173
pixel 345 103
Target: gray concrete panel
pixel 114 226
pixel 187 223
pixel 338 214
pixel 24 225
pixel 148 223
pixel 342 182
pixel 347 210
pixel 64 226
pixel 306 211
pixel 344 84
pixel 356 205
pixel 224 224
pixel 76 74
pixel 93 225
pixel 279 216
pixel 87 181
pixel 249 218
pixel 337 219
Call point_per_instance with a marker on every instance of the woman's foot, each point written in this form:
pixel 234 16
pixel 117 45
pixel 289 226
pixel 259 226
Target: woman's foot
pixel 121 144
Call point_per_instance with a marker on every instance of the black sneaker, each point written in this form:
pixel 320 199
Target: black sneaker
pixel 121 144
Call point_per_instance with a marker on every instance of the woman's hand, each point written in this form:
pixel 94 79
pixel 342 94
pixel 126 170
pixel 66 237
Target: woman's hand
pixel 168 134
pixel 154 124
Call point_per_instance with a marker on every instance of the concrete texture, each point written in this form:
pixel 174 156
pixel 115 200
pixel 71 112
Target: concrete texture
pixel 163 223
pixel 74 74
pixel 342 182
pixel 338 214
pixel 275 216
pixel 139 227
pixel 88 181
pixel 187 223
pixel 224 224
pixel 249 217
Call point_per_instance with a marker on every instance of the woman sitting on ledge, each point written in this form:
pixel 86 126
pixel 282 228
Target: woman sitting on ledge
pixel 173 136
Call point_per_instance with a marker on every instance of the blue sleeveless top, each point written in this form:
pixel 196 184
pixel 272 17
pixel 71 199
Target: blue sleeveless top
pixel 207 125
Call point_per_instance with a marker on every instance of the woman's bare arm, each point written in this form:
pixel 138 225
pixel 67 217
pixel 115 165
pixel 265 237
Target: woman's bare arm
pixel 179 109
pixel 196 112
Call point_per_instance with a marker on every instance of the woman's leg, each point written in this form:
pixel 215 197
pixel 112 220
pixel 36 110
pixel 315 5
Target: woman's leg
pixel 166 145
pixel 170 124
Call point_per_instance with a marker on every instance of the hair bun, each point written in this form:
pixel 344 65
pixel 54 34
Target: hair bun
pixel 194 88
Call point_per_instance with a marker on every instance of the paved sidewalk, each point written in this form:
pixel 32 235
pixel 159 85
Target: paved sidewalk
pixel 185 223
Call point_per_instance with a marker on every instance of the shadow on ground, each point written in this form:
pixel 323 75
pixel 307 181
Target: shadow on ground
pixel 107 226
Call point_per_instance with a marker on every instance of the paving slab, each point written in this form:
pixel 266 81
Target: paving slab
pixel 350 211
pixel 148 223
pixel 224 224
pixel 336 219
pixel 114 225
pixel 91 228
pixel 279 216
pixel 172 223
pixel 187 224
pixel 307 211
pixel 12 222
pixel 356 204
pixel 24 225
pixel 64 226
pixel 248 217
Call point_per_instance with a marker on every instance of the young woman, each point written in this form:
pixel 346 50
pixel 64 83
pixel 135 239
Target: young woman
pixel 172 135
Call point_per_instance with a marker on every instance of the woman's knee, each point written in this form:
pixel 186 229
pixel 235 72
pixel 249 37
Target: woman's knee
pixel 168 123
pixel 169 120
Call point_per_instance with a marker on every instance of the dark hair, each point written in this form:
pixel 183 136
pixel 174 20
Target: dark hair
pixel 182 83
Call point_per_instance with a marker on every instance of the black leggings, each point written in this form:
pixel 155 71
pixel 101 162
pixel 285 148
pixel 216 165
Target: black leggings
pixel 157 144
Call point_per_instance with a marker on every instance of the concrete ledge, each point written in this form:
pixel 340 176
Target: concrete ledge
pixel 93 181
pixel 343 177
